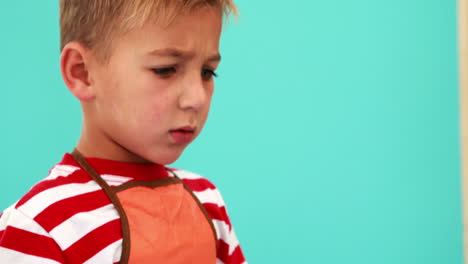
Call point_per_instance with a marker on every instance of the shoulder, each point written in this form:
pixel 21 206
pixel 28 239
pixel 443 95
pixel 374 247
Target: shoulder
pixel 207 193
pixel 66 191
pixel 63 181
pixel 229 250
pixel 15 229
pixel 64 212
pixel 195 181
pixel 204 189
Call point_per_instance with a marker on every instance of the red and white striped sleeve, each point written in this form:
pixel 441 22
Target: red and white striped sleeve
pixel 229 250
pixel 24 241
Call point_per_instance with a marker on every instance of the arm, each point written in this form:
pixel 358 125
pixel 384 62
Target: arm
pixel 22 240
pixel 229 250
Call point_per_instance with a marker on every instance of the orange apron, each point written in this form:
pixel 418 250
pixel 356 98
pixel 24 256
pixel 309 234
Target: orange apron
pixel 162 221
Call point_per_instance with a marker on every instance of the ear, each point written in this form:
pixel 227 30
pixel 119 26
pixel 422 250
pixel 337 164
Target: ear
pixel 75 73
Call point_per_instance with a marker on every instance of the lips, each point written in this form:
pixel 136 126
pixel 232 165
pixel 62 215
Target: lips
pixel 183 135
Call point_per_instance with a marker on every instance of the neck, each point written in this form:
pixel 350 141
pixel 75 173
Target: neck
pixel 95 143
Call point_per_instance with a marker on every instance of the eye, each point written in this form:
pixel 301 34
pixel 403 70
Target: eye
pixel 164 72
pixel 208 74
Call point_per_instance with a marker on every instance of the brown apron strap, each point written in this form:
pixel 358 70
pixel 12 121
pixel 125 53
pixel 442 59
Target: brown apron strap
pixel 88 168
pixel 113 198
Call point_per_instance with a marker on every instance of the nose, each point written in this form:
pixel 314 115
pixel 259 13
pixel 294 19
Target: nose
pixel 195 94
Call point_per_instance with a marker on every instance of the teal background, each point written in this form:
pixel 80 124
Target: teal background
pixel 334 132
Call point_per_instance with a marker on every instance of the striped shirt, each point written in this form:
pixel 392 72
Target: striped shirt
pixel 68 218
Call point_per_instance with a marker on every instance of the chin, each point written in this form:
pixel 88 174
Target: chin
pixel 168 161
pixel 165 158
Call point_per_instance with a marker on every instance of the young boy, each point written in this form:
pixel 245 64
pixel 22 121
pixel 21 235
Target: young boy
pixel 143 72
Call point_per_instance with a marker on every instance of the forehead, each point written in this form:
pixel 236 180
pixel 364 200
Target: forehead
pixel 198 29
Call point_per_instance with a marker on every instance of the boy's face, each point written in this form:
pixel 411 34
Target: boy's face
pixel 153 96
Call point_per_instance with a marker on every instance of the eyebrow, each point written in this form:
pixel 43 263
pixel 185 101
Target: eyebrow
pixel 177 53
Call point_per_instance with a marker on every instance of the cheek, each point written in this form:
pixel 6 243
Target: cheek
pixel 157 112
pixel 153 100
pixel 119 108
pixel 134 102
pixel 107 102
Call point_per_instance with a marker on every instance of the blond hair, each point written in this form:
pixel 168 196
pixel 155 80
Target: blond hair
pixel 93 22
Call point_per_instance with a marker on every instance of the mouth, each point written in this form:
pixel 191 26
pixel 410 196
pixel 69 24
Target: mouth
pixel 188 129
pixel 183 135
